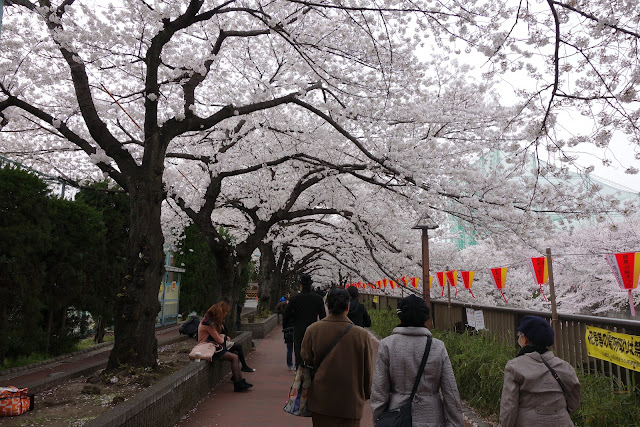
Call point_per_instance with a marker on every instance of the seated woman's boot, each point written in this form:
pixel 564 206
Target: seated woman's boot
pixel 240 386
pixel 245 381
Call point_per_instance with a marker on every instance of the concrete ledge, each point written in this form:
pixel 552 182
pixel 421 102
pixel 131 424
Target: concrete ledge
pixel 164 403
pixel 261 329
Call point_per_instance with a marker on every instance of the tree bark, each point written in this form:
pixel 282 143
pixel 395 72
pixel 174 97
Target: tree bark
pixel 137 301
pixel 268 277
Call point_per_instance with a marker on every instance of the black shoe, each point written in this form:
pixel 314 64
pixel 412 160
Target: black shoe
pixel 247 369
pixel 245 382
pixel 240 386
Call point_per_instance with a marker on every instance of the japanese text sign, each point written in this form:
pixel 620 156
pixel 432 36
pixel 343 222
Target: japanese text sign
pixel 621 349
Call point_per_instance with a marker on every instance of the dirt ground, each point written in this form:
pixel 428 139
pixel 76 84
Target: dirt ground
pixel 82 399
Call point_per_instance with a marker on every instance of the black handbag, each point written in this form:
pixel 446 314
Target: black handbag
pixel 401 417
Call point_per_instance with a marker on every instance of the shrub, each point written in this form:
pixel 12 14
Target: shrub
pixel 478 363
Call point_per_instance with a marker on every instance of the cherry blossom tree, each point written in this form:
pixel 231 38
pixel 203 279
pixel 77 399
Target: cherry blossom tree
pixel 204 101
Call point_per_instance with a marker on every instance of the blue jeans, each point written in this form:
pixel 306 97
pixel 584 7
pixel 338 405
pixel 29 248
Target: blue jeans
pixel 289 354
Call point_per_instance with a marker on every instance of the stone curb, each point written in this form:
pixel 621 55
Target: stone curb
pixel 164 403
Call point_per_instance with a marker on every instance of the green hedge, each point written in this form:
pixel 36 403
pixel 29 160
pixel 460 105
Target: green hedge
pixel 478 362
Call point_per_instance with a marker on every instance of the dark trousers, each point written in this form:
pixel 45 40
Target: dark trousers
pixel 297 345
pixel 237 349
pixel 290 354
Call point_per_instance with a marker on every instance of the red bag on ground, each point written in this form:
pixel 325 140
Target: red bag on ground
pixel 15 401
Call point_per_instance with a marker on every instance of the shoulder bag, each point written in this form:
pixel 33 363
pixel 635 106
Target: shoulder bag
pixel 567 395
pixel 297 400
pixel 401 417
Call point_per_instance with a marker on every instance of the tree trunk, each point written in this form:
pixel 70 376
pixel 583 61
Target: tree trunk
pixel 269 277
pixel 49 329
pixel 230 280
pixel 272 273
pixel 137 301
pixel 99 335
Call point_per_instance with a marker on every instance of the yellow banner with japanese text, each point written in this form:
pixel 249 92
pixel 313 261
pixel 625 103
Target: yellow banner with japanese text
pixel 621 349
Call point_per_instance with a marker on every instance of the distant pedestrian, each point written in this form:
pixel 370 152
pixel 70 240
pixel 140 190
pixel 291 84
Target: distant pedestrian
pixel 530 394
pixel 282 305
pixel 342 382
pixel 358 313
pixel 287 332
pixel 303 309
pixel 436 402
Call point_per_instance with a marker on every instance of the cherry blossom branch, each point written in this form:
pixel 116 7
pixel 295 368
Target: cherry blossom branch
pixel 594 18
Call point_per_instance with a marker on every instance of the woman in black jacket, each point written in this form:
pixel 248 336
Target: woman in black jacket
pixel 357 312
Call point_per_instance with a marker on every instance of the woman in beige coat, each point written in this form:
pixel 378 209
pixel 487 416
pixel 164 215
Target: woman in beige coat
pixel 436 402
pixel 531 396
pixel 342 383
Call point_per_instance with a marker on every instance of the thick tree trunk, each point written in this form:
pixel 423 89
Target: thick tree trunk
pixel 137 301
pixel 269 277
pixel 229 280
pixel 98 338
pixel 273 276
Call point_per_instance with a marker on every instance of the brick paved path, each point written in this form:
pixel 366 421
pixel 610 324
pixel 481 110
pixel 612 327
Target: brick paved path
pixel 262 405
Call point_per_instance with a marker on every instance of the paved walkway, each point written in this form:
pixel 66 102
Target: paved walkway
pixel 262 405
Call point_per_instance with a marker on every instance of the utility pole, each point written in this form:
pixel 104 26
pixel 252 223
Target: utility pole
pixel 552 289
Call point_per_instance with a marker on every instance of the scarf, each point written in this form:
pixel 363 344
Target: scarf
pixel 531 348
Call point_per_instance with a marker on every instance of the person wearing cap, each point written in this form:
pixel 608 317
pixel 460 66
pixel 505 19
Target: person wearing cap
pixel 436 402
pixel 530 393
pixel 303 309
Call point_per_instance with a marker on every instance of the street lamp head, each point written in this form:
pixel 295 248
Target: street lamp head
pixel 425 223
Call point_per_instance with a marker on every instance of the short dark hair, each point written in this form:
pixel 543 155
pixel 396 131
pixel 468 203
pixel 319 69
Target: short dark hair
pixel 337 300
pixel 353 292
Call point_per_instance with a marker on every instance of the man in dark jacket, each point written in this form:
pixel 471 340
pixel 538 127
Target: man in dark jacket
pixel 357 312
pixel 303 309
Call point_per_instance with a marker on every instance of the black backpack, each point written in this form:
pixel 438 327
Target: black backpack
pixel 190 327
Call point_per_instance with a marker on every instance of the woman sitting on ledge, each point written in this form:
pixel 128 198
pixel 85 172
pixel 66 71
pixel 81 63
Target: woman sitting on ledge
pixel 226 309
pixel 210 330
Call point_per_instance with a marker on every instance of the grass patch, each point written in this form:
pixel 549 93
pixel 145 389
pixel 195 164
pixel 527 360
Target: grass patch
pixel 88 342
pixel 383 322
pixel 25 360
pixel 39 357
pixel 478 362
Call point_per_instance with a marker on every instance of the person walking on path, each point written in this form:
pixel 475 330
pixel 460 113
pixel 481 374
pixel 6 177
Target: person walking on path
pixel 436 402
pixel 342 383
pixel 358 313
pixel 287 330
pixel 531 395
pixel 210 330
pixel 303 310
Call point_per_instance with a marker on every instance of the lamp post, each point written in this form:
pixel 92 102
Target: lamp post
pixel 425 223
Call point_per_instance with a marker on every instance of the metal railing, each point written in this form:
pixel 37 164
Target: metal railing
pixel 569 344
